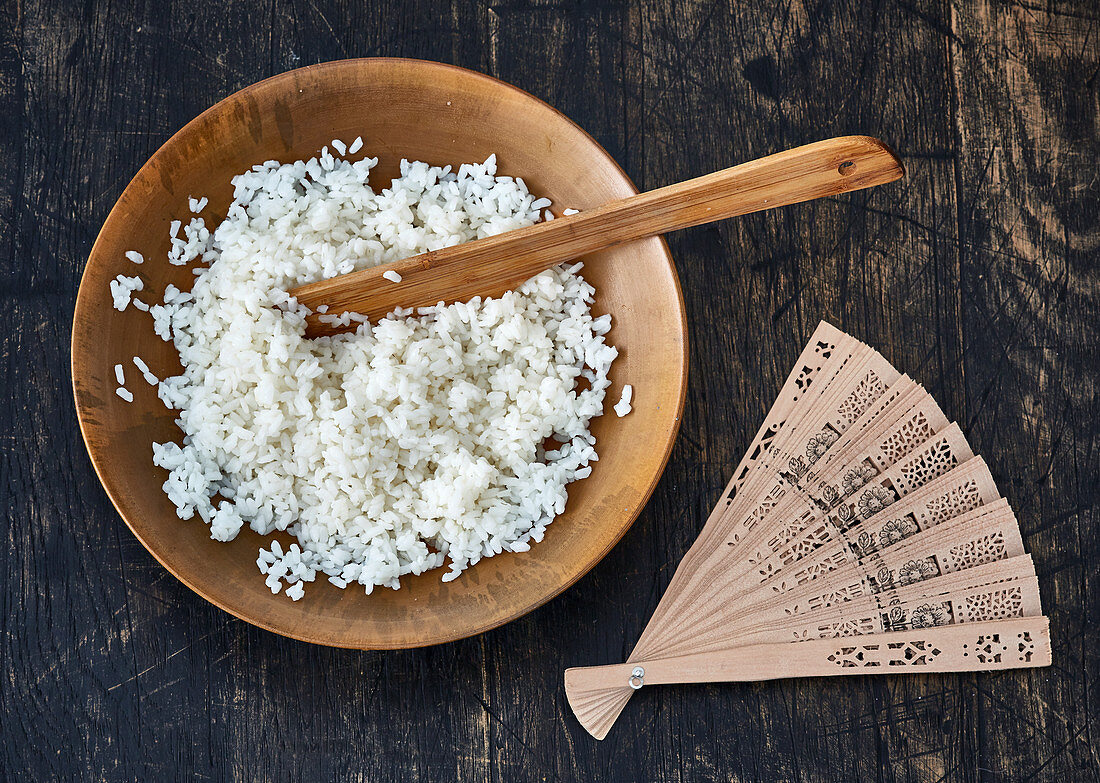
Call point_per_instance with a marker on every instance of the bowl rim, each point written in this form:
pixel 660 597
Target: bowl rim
pixel 99 465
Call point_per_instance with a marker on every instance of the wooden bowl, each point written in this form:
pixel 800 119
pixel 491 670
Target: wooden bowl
pixel 401 108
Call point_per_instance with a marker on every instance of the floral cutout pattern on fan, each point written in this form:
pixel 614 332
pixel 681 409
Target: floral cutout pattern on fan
pixel 858 511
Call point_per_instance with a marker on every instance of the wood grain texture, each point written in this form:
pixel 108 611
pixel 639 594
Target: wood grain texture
pixel 979 277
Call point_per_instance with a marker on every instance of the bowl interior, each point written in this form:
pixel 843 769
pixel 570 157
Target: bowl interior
pixel 415 110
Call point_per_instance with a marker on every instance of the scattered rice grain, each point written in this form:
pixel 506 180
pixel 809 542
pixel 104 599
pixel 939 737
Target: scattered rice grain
pixel 122 289
pixel 622 407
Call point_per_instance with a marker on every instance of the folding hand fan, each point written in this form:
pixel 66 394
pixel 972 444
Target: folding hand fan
pixel 858 535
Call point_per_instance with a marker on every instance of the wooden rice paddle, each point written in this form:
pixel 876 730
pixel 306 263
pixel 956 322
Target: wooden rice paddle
pixel 489 267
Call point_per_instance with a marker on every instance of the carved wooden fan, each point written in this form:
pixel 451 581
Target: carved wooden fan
pixel 858 535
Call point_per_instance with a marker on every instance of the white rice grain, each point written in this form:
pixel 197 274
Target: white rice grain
pixel 143 368
pixel 122 289
pixel 622 407
pixel 392 276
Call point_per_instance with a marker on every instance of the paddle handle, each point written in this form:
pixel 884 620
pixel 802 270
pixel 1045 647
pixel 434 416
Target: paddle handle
pixel 491 266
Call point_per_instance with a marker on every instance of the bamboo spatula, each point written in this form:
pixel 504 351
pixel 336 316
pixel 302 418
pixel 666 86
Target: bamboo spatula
pixel 489 267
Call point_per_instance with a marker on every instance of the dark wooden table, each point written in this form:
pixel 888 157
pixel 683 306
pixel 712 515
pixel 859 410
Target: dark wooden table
pixel 978 275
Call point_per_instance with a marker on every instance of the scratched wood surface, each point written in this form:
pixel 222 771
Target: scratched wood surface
pixel 979 275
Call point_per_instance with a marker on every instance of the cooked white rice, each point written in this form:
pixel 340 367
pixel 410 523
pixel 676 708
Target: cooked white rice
pixel 146 373
pixel 622 407
pixel 393 449
pixel 194 242
pixel 122 288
